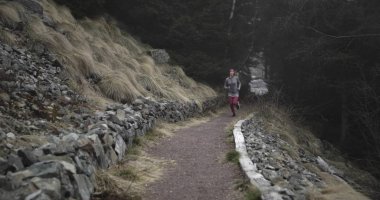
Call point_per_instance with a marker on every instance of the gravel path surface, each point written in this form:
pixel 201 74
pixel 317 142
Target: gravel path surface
pixel 201 171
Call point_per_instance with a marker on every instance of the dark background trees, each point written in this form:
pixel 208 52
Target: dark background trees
pixel 325 57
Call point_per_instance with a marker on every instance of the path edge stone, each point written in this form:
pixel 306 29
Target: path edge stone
pixel 249 168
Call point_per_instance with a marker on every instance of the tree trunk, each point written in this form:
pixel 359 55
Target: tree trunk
pixel 344 116
pixel 230 18
pixel 232 9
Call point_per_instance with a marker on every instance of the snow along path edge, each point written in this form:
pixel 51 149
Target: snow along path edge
pixel 250 169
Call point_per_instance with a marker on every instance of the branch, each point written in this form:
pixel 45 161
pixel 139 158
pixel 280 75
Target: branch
pixel 345 36
pixel 232 9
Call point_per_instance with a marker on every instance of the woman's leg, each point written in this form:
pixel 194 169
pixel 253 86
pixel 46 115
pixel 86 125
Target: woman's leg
pixel 232 104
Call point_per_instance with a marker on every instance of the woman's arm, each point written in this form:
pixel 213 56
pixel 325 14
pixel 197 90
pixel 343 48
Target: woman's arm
pixel 226 86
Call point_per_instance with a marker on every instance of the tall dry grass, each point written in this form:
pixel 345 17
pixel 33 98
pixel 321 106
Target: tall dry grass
pixel 98 48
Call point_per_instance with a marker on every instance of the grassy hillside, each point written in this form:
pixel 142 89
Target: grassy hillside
pixel 101 61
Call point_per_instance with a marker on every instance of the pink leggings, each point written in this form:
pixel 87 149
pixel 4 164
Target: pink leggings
pixel 233 102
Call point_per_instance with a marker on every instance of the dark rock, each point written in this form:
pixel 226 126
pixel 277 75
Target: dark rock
pixel 48 22
pixel 8 48
pixel 32 5
pixel 3 165
pixel 4 183
pixel 38 48
pixel 27 156
pixel 15 163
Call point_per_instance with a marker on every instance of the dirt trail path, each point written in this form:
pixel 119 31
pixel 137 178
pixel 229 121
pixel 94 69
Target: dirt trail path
pixel 200 170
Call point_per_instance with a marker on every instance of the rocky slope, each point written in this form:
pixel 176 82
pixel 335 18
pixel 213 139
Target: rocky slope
pixel 295 171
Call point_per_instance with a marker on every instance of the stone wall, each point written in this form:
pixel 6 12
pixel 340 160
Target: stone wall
pixel 53 141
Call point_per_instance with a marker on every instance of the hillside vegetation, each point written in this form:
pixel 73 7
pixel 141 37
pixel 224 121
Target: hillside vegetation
pixel 101 61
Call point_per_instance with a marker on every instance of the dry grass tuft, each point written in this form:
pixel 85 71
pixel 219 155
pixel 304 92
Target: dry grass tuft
pixel 105 183
pixel 150 85
pixel 233 156
pixel 141 170
pixel 116 87
pixel 9 14
pixel 7 37
pixel 250 191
